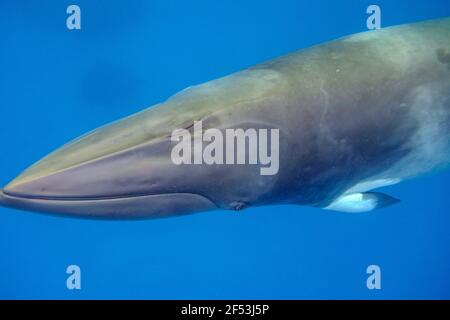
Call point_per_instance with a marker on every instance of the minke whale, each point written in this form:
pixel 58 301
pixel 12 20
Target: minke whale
pixel 355 114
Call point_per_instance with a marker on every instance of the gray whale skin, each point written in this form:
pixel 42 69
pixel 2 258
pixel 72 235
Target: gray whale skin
pixel 355 114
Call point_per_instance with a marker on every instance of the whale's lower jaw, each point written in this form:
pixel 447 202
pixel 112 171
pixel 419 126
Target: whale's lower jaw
pixel 148 206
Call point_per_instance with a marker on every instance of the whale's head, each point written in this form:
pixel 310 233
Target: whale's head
pixel 122 170
pixel 126 169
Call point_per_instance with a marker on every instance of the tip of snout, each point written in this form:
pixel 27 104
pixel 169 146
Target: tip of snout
pixel 18 187
pixel 5 200
pixel 2 198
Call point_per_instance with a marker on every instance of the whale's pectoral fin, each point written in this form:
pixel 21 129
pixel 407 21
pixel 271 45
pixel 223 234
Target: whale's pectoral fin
pixel 361 202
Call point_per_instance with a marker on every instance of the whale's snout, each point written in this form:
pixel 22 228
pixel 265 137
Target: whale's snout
pixel 94 193
pixel 118 171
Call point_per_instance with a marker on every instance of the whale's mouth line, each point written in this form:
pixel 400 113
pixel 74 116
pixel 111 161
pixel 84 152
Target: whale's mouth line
pixel 94 198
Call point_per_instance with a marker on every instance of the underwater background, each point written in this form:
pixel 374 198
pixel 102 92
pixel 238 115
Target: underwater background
pixel 56 84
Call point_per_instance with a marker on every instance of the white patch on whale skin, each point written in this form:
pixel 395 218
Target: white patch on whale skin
pixel 353 203
pixel 430 145
pixel 368 185
pixel 356 199
pixel 361 202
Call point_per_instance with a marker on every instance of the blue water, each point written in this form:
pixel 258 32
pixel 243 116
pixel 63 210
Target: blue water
pixel 56 84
